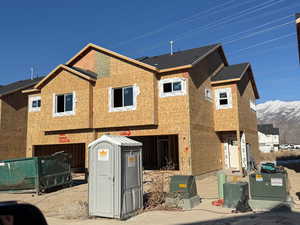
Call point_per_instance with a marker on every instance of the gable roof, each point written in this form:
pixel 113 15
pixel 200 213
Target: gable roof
pixel 162 63
pixel 232 72
pixel 179 59
pixel 18 85
pixel 91 46
pixel 235 73
pixel 81 73
pixel 268 129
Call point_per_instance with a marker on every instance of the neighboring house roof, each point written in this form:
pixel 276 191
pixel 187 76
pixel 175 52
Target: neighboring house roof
pixel 178 59
pixel 18 85
pixel 268 129
pixel 232 72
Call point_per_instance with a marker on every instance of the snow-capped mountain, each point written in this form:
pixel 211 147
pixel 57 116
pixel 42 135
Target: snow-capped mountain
pixel 285 116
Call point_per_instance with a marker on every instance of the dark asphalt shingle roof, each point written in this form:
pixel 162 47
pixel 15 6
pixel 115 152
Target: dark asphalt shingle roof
pixel 180 58
pixel 230 72
pixel 268 129
pixel 18 85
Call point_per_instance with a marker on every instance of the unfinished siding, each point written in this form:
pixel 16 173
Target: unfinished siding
pixel 247 116
pixel 123 74
pixel 13 126
pixel 227 119
pixel 153 115
pixel 205 143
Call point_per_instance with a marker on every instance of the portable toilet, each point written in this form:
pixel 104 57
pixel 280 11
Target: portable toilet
pixel 115 177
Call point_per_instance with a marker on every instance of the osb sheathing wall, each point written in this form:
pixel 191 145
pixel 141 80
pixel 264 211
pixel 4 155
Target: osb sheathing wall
pixel 227 119
pixel 205 144
pixel 153 116
pixel 64 83
pixel 13 126
pixel 247 116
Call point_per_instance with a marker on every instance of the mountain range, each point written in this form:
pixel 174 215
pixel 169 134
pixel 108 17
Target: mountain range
pixel 282 114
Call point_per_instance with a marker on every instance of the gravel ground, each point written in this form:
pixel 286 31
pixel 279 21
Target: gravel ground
pixel 69 206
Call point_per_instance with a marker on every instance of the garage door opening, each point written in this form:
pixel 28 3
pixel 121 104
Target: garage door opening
pixel 77 152
pixel 159 152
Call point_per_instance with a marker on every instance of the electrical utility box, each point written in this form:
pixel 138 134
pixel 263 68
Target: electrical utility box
pixel 269 186
pixel 183 192
pixel 235 193
pixel 115 177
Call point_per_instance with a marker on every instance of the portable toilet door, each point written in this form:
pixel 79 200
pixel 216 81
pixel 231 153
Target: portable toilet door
pixel 101 180
pixel 108 196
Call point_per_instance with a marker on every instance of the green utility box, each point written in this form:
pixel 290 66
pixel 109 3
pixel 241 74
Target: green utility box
pixel 183 192
pixel 35 174
pixel 269 186
pixel 235 193
pixel 183 184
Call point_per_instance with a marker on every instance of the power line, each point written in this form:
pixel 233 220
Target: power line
pixel 258 32
pixel 203 13
pixel 282 46
pixel 226 8
pixel 256 27
pixel 264 42
pixel 227 19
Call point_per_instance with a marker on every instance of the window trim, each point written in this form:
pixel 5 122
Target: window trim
pixel 182 92
pixel 136 92
pixel 34 109
pixel 229 98
pixel 66 113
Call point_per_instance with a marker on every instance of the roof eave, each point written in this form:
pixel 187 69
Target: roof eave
pixel 28 91
pixel 175 68
pixel 225 81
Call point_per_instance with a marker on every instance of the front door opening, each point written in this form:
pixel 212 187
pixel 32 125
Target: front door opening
pixel 159 152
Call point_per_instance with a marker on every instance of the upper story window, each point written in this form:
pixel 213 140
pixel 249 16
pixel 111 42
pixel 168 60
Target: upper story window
pixel 35 104
pixel 253 105
pixel 208 94
pixel 64 104
pixel 223 98
pixel 123 98
pixel 172 87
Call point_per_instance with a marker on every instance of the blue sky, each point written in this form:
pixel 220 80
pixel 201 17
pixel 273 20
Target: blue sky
pixel 43 34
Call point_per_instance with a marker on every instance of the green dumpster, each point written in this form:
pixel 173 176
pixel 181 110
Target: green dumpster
pixel 269 186
pixel 35 174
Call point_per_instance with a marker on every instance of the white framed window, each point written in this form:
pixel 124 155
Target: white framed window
pixel 208 94
pixel 123 98
pixel 252 105
pixel 223 98
pixel 172 87
pixel 34 104
pixel 64 104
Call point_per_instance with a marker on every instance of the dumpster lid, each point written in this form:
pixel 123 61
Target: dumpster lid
pixel 117 140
